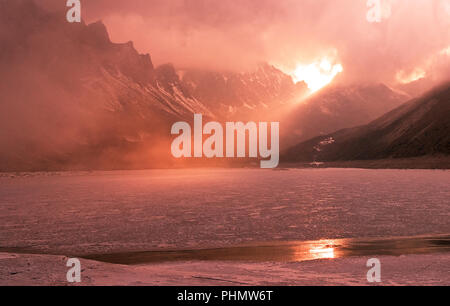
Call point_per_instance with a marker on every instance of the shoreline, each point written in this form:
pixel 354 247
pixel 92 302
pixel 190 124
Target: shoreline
pixel 263 251
pixel 414 163
pixel 419 163
pixel 48 270
pixel 286 251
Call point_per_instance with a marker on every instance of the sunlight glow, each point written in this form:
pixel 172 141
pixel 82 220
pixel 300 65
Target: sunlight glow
pixel 313 250
pixel 446 51
pixel 318 74
pixel 415 75
pixel 322 252
pixel 418 73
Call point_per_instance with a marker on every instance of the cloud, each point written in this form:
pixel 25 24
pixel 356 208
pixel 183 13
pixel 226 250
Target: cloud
pixel 236 34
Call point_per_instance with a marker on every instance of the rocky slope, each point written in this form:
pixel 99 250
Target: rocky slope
pixel 420 127
pixel 243 95
pixel 338 107
pixel 70 97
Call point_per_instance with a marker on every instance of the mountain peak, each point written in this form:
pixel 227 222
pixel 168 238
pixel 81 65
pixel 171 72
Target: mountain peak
pixel 167 74
pixel 415 129
pixel 97 32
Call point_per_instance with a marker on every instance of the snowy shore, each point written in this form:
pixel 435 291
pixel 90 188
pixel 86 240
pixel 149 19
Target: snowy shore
pixel 40 270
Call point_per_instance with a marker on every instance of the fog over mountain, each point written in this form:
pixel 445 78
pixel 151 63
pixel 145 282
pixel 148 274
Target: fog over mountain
pixel 70 98
pixel 218 35
pixel 257 94
pixel 418 128
pixel 338 107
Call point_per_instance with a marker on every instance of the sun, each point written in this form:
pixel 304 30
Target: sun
pixel 405 78
pixel 317 74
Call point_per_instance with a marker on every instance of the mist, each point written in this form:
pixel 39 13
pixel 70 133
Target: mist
pixel 234 35
pixel 68 93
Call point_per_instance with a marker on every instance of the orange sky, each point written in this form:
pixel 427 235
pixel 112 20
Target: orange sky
pixel 234 34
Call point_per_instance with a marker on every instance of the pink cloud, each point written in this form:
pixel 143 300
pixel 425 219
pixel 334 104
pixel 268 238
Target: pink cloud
pixel 237 33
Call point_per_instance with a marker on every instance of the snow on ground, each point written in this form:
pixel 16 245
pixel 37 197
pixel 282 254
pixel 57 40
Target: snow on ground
pixel 408 270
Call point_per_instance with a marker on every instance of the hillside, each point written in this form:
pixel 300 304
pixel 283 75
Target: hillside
pixel 418 128
pixel 338 107
pixel 71 98
pixel 245 95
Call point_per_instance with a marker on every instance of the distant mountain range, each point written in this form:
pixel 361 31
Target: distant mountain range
pixel 243 95
pixel 72 99
pixel 337 107
pixel 418 128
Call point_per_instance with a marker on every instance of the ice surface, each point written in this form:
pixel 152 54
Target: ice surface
pixel 99 212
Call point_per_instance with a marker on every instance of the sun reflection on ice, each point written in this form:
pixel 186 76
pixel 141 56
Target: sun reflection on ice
pixel 322 252
pixel 313 250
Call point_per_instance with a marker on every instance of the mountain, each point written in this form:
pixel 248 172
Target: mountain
pixel 338 107
pixel 418 128
pixel 418 87
pixel 243 95
pixel 71 98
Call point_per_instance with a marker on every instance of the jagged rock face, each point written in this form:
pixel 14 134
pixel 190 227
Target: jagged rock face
pixel 82 55
pixel 71 96
pixel 241 95
pixel 418 128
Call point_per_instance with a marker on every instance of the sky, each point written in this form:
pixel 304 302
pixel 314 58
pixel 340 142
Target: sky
pixel 403 41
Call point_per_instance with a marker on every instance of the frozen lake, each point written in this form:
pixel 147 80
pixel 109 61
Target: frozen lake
pixel 100 212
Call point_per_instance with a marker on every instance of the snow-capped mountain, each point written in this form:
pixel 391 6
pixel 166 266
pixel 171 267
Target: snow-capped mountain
pixel 243 95
pixel 72 97
pixel 338 107
pixel 415 129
